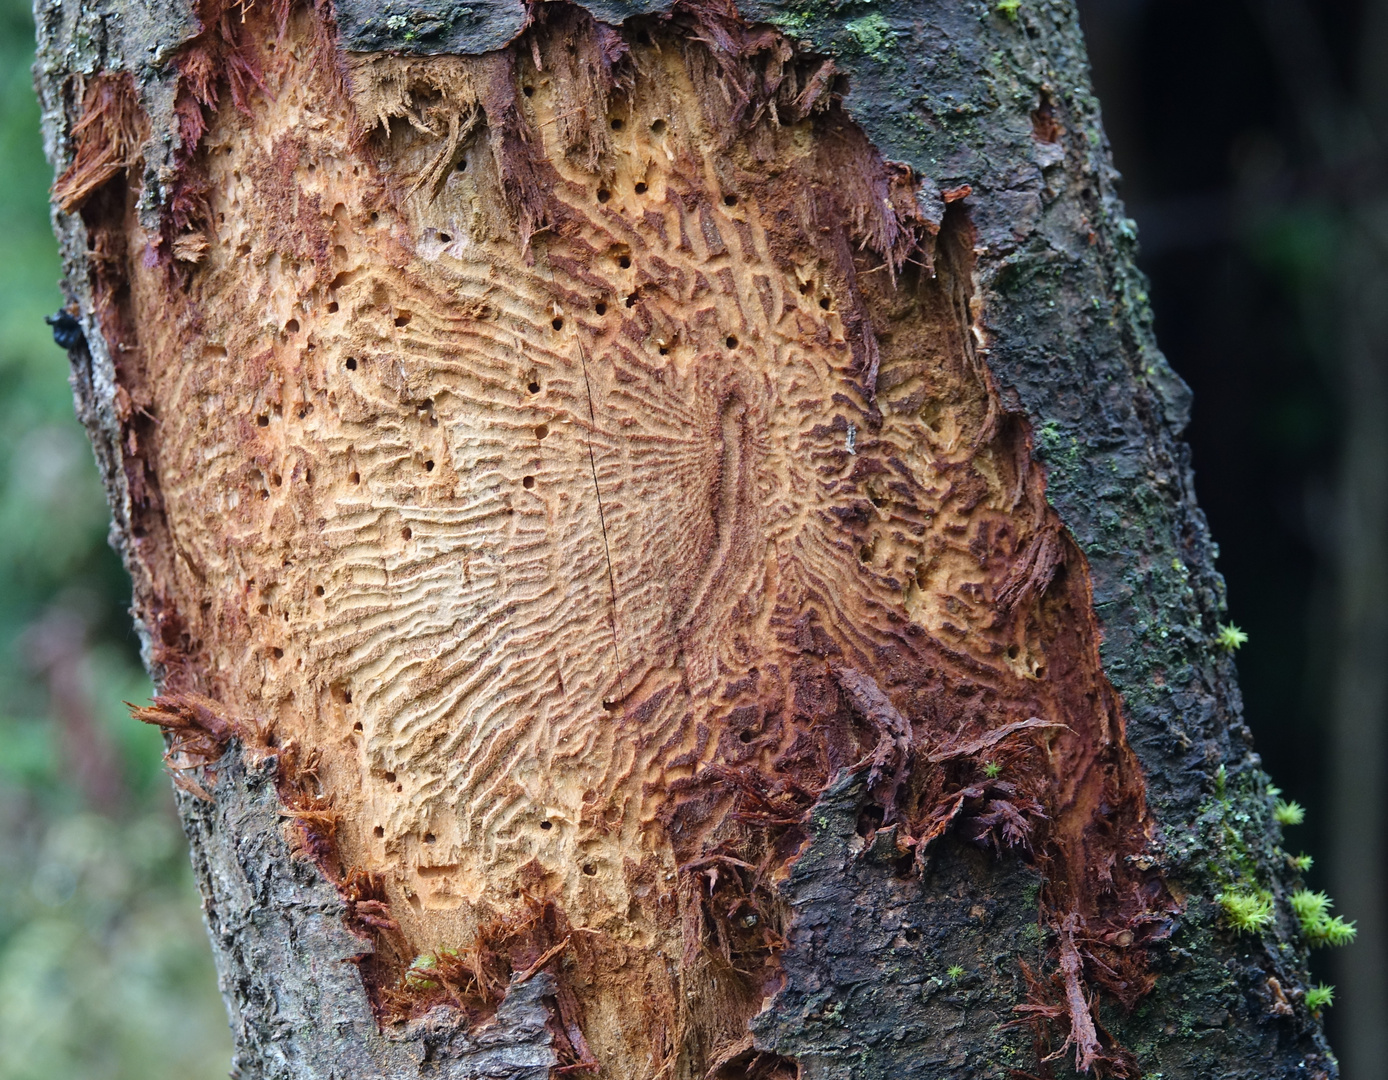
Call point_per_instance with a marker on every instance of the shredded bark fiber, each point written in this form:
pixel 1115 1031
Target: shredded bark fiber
pixel 578 456
pixel 108 137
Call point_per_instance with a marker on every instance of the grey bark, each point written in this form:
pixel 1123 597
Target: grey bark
pixel 285 958
pixel 949 88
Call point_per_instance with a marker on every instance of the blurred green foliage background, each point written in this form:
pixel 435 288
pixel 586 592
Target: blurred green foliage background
pixel 105 969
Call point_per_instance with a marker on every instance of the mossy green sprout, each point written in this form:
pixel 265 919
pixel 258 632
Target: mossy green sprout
pixel 992 770
pixel 1317 924
pixel 1008 9
pixel 417 975
pixel 1289 813
pixel 955 973
pixel 1248 913
pixel 1335 932
pixel 1301 863
pixel 1310 906
pixel 1230 638
pixel 1318 997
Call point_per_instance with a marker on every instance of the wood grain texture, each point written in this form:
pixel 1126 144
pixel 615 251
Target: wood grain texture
pixel 558 448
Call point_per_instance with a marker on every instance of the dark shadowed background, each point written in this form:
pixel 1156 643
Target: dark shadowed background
pixel 1250 134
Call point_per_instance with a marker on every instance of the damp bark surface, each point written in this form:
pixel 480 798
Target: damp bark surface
pixel 663 542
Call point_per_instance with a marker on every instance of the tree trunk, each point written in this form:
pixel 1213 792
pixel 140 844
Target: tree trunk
pixel 664 543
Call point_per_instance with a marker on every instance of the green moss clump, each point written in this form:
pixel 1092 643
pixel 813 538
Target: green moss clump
pixel 1230 638
pixel 1318 997
pixel 1248 913
pixel 1319 927
pixel 1289 813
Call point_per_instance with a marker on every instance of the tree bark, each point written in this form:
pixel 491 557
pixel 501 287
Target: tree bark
pixel 664 544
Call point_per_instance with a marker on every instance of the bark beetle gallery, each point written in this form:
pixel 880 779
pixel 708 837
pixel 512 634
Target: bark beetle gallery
pixel 568 484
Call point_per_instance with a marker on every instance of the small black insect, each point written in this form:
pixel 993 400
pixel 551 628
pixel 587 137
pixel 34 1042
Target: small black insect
pixel 67 331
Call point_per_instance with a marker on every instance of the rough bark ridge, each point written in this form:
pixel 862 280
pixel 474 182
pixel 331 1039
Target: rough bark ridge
pixel 579 470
